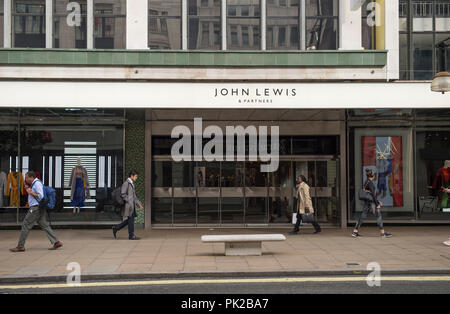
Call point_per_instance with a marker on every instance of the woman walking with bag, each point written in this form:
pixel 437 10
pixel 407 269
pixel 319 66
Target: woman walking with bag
pixel 373 205
pixel 305 210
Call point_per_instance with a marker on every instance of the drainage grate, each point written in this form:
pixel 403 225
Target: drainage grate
pixel 352 264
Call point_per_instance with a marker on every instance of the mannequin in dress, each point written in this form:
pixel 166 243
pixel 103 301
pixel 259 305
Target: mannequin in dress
pixel 79 184
pixel 442 183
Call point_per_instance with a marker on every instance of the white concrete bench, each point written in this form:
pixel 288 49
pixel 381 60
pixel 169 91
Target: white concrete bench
pixel 243 244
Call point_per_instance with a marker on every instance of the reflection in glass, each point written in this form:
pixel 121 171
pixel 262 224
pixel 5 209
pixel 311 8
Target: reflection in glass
pixel 404 73
pixel 321 34
pixel 110 24
pixel 208 210
pixel 243 25
pixel 9 196
pixel 280 210
pixel 29 23
pixel 207 174
pixel 1 23
pixel 162 174
pixel 183 174
pixel 422 54
pixel 315 145
pixel 281 185
pixel 162 210
pixel 433 173
pixel 283 25
pixel 326 192
pixel 164 24
pixel 441 62
pixel 256 210
pixel 184 210
pixel 253 175
pixel 204 27
pixel 70 24
pixel 322 24
pixel 232 210
pixel 232 174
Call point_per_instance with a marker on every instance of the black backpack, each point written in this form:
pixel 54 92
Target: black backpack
pixel 116 196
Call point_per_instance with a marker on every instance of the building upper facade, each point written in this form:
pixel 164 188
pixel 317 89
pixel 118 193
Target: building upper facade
pixel 284 33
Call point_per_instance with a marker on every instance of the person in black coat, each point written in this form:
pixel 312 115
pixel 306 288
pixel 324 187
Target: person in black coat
pixel 373 205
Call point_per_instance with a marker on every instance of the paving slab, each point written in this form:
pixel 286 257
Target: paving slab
pixel 181 252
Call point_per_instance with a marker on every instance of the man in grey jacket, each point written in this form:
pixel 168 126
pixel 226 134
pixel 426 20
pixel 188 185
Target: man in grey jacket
pixel 128 192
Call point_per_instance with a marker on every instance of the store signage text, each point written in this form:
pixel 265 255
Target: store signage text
pixel 213 149
pixel 256 95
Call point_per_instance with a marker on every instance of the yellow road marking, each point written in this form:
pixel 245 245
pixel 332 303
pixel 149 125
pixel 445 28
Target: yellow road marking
pixel 224 281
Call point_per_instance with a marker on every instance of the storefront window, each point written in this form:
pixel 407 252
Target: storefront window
pixel 433 173
pixel 388 152
pixel 82 161
pixel 243 25
pixel 204 26
pixel 70 24
pixel 1 23
pixel 10 192
pixel 164 24
pixel 28 23
pixel 110 24
pixel 283 25
pixel 322 24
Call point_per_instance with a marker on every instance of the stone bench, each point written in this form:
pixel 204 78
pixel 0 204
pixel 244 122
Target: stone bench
pixel 243 244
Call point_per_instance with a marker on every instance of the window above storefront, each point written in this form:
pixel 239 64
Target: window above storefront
pixel 207 25
pixel 423 24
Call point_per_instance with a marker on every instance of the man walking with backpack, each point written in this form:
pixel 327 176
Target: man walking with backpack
pixel 35 214
pixel 128 193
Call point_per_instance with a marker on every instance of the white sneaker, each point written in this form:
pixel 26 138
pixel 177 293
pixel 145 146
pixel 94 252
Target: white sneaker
pixel 447 243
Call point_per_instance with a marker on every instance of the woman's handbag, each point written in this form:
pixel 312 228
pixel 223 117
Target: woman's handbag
pixel 308 217
pixel 363 195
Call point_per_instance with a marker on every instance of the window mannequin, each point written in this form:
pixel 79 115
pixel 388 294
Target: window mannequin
pixel 79 184
pixel 441 182
pixel 14 187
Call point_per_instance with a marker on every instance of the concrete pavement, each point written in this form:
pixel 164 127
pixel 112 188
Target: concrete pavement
pixel 180 252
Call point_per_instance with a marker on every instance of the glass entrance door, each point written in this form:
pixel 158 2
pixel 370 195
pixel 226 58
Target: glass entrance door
pixel 238 194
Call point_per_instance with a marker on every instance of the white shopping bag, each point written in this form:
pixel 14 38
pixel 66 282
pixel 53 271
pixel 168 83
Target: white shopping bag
pixel 294 218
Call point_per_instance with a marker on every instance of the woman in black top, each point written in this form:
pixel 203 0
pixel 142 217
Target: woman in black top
pixel 374 206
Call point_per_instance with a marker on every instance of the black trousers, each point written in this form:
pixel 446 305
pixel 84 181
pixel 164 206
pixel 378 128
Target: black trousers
pixel 130 223
pixel 314 223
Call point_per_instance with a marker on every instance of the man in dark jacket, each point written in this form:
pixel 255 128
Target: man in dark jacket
pixel 128 192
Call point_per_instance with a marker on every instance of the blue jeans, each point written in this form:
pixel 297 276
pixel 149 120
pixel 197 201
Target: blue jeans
pixel 130 223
